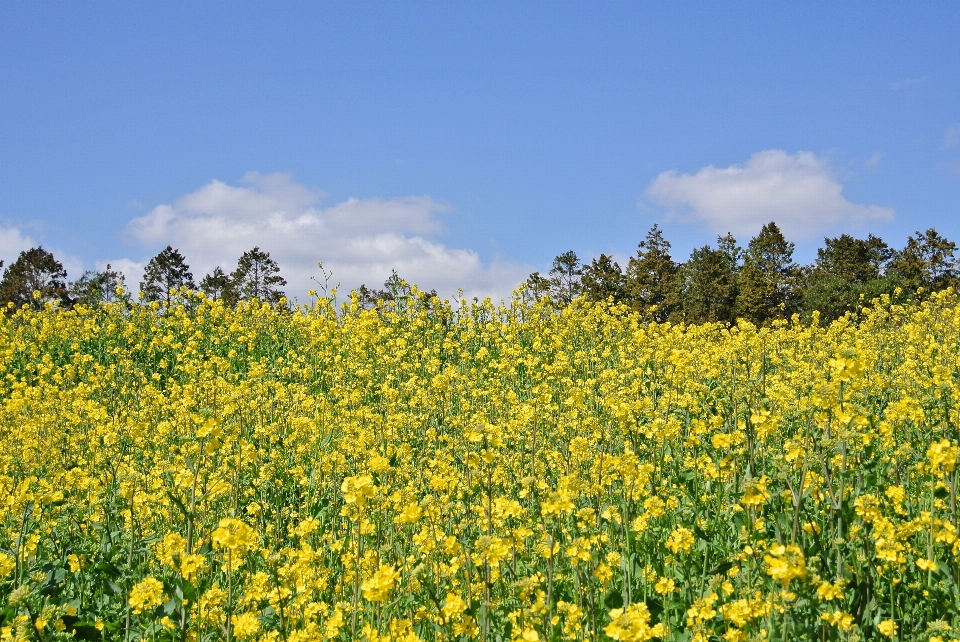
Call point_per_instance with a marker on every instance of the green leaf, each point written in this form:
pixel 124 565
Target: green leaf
pixel 614 599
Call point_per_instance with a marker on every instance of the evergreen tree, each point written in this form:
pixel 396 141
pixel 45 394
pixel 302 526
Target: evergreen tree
pixel 165 272
pixel 258 277
pixel 768 280
pixel 535 287
pixel 848 272
pixel 708 282
pixel 95 287
pixel 927 261
pixel 35 270
pixel 565 278
pixel 651 277
pixel 218 285
pixel 603 279
pixel 854 260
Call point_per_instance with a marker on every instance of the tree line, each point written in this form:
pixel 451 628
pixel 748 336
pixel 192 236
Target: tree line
pixel 760 282
pixel 37 278
pixel 722 283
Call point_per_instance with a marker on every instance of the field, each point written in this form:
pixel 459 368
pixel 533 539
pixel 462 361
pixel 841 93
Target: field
pixel 434 471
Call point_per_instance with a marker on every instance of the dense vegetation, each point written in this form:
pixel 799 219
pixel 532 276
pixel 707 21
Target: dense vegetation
pixel 759 283
pixel 190 470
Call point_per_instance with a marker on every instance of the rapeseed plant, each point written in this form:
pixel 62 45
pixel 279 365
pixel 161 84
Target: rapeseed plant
pixel 427 470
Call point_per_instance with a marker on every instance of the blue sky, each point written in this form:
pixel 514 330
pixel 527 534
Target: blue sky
pixel 466 144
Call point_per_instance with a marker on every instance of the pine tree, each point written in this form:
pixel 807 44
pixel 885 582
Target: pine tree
pixel 927 261
pixel 95 287
pixel 258 277
pixel 708 282
pixel 218 285
pixel 34 271
pixel 167 271
pixel 651 277
pixel 768 279
pixel 535 287
pixel 565 278
pixel 603 279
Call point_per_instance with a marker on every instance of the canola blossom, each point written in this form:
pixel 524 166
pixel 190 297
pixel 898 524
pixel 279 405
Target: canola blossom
pixel 436 471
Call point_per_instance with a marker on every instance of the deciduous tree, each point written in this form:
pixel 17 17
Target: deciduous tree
pixel 926 261
pixel 848 273
pixel 535 287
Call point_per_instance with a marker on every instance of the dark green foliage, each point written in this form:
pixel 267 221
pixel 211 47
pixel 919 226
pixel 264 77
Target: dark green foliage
pixel 218 285
pixel 603 279
pixel 95 287
pixel 257 277
pixel 848 273
pixel 394 288
pixel 707 283
pixel 35 270
pixel 768 280
pixel 535 287
pixel 651 277
pixel 927 261
pixel 565 278
pixel 165 272
pixel 760 283
pixel 854 260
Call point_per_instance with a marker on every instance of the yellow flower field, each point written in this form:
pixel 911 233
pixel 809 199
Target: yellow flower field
pixel 428 471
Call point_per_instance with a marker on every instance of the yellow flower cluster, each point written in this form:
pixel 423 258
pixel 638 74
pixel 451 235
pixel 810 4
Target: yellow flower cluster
pixel 379 585
pixel 429 470
pixel 633 625
pixel 146 594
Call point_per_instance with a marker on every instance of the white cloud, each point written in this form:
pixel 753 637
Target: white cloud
pixel 799 192
pixel 132 271
pixel 874 161
pixel 12 242
pixel 360 240
pixel 951 137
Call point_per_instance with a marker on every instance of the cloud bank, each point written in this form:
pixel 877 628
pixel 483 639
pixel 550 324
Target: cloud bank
pixel 360 240
pixel 799 192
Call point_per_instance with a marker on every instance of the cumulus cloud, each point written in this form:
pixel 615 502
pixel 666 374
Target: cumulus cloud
pixel 132 271
pixel 360 240
pixel 799 192
pixel 12 242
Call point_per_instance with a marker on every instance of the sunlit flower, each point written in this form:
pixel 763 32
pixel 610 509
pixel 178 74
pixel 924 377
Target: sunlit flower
pixel 145 595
